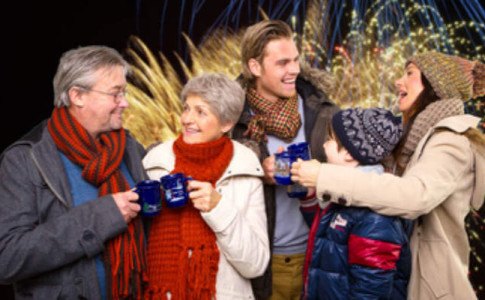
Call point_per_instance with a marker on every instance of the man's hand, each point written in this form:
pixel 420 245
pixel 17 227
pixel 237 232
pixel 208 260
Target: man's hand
pixel 268 167
pixel 127 204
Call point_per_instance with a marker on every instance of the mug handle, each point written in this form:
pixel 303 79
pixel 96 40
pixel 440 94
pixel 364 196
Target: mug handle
pixel 188 178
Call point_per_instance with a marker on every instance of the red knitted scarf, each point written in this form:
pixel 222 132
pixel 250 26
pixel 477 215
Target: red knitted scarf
pixel 100 159
pixel 281 118
pixel 178 232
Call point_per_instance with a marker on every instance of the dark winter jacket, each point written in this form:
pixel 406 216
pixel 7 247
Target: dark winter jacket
pixel 359 254
pixel 48 246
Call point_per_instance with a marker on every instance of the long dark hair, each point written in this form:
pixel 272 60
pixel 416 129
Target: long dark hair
pixel 425 98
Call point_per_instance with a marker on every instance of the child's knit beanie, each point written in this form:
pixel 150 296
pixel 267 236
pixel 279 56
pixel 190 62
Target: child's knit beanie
pixel 368 134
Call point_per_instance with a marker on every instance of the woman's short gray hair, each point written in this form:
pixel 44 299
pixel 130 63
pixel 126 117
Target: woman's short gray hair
pixel 77 66
pixel 224 96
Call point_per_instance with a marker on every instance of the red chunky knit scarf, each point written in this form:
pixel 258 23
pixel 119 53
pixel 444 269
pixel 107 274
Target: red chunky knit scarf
pixel 100 159
pixel 281 118
pixel 177 232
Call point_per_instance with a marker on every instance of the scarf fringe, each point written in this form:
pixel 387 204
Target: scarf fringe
pixel 201 262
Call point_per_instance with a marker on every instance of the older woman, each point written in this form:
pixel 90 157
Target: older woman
pixel 442 166
pixel 213 246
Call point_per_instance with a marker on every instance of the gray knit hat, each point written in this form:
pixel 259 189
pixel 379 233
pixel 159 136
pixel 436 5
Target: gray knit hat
pixel 368 134
pixel 452 76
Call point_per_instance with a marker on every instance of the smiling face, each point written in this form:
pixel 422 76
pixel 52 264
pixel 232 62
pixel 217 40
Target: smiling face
pixel 409 86
pixel 276 74
pixel 97 108
pixel 199 123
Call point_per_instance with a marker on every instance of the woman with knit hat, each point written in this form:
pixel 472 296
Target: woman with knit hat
pixel 439 172
pixel 211 247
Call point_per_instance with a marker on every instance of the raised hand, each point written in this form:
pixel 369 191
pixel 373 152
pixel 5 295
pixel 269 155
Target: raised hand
pixel 268 167
pixel 305 172
pixel 127 204
pixel 203 195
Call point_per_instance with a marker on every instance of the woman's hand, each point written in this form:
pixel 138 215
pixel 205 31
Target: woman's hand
pixel 305 172
pixel 203 195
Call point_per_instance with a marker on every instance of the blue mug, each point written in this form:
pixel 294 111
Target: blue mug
pixel 282 168
pixel 296 191
pixel 302 151
pixel 175 189
pixel 150 199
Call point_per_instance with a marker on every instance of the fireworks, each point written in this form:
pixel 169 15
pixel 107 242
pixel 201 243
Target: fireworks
pixel 364 44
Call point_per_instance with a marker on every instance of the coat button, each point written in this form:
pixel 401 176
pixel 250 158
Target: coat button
pixel 342 201
pixel 88 235
pixel 287 259
pixel 326 197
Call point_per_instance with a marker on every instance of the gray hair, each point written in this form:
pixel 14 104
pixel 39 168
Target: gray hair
pixel 77 66
pixel 224 96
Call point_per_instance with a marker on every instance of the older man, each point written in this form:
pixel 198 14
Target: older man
pixel 69 219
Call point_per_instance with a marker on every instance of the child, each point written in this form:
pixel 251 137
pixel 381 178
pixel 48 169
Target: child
pixel 354 253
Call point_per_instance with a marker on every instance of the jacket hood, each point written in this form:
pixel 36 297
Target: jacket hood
pixel 320 79
pixel 479 191
pixel 467 125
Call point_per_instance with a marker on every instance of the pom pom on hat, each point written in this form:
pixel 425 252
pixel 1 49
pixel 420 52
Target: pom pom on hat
pixel 368 134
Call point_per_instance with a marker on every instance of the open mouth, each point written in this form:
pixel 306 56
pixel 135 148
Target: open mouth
pixel 289 81
pixel 402 94
pixel 289 85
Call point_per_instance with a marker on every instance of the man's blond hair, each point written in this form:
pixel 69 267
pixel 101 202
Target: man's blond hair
pixel 256 38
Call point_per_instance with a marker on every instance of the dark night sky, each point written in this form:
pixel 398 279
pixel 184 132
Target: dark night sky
pixel 33 42
pixel 35 33
pixel 42 30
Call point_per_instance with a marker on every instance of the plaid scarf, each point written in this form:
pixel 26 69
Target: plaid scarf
pixel 178 232
pixel 281 118
pixel 100 160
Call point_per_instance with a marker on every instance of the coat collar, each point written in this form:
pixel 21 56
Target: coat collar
pixel 44 153
pixel 48 162
pixel 244 161
pixel 460 123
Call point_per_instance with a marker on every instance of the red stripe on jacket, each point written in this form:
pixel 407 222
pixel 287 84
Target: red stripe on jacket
pixel 373 253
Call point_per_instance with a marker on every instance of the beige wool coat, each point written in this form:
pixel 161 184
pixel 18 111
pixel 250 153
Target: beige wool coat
pixel 444 179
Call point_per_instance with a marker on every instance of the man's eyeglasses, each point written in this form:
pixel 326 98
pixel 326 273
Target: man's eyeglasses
pixel 116 95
